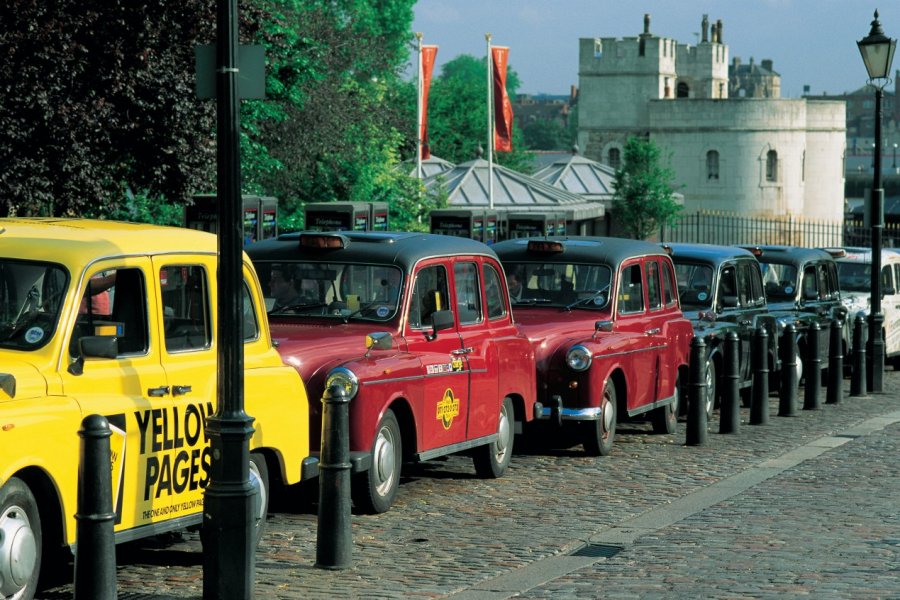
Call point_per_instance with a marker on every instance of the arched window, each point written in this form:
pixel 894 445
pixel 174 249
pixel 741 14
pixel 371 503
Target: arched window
pixel 682 90
pixel 771 166
pixel 712 165
pixel 615 158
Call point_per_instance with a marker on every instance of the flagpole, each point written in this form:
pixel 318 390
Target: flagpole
pixel 419 112
pixel 490 122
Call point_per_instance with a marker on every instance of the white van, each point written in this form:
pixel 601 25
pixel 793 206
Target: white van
pixel 855 277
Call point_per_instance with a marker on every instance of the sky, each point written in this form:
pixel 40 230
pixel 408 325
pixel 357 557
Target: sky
pixel 811 42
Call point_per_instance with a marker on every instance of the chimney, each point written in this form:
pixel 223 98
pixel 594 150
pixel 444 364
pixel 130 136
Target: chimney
pixel 766 64
pixel 646 23
pixel 719 29
pixel 714 34
pixel 704 27
pixel 736 61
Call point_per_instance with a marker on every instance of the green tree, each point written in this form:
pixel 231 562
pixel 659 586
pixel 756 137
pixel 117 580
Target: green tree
pixel 643 198
pixel 457 114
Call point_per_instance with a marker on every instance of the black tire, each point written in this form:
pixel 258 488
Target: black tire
pixel 491 460
pixel 600 434
pixel 374 491
pixel 20 537
pixel 259 477
pixel 665 418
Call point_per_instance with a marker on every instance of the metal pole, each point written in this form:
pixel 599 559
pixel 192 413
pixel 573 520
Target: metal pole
pixel 730 414
pixel 835 364
pixel 490 121
pixel 95 557
pixel 334 539
pixel 858 374
pixel 876 317
pixel 227 535
pixel 697 421
pixel 812 388
pixel 787 394
pixel 419 110
pixel 759 399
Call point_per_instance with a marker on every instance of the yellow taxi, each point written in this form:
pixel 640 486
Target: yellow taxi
pixel 119 319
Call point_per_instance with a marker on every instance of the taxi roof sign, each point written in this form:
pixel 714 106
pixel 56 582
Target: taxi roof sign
pixel 323 241
pixel 546 246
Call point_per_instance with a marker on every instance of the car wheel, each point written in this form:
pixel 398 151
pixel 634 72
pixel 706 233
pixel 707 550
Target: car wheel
pixel 599 434
pixel 492 459
pixel 20 541
pixel 665 418
pixel 711 387
pixel 374 491
pixel 259 479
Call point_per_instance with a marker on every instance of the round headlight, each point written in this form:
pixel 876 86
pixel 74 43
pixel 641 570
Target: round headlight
pixel 578 358
pixel 345 378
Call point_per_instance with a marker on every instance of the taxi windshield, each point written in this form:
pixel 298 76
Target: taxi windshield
pixel 565 285
pixel 31 298
pixel 780 281
pixel 333 290
pixel 855 276
pixel 694 285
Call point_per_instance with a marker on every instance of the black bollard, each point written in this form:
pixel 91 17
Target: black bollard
pixel 813 379
pixel 759 399
pixel 835 389
pixel 858 371
pixel 334 539
pixel 730 414
pixel 787 393
pixel 696 433
pixel 95 555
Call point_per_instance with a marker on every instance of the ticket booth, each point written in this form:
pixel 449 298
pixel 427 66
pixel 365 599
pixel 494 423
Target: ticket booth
pixel 346 216
pixel 259 216
pixel 534 224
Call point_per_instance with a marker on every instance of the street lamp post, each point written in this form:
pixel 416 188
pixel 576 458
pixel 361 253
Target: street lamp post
pixel 877 52
pixel 895 157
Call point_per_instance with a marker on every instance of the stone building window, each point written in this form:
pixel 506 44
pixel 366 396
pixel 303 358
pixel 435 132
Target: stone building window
pixel 771 166
pixel 682 90
pixel 712 165
pixel 615 158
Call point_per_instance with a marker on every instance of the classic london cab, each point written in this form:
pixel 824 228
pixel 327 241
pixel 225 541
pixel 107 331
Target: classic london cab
pixel 118 319
pixel 610 339
pixel 417 328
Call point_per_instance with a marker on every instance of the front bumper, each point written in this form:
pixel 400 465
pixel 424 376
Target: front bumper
pixel 556 412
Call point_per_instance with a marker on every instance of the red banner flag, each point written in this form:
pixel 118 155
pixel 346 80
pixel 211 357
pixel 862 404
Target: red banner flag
pixel 503 115
pixel 428 55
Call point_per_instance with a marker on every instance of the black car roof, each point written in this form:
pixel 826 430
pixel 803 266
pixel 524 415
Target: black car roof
pixel 582 249
pixel 403 249
pixel 789 255
pixel 708 252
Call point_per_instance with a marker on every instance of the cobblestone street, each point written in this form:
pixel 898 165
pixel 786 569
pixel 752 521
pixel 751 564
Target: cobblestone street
pixel 801 506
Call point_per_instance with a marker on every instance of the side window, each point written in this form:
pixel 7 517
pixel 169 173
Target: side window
pixel 631 290
pixel 810 284
pixel 896 276
pixel 115 304
pixel 825 286
pixel 756 287
pixel 654 291
pixel 886 277
pixel 668 284
pixel 468 292
pixel 727 284
pixel 248 316
pixel 496 307
pixel 430 294
pixel 186 313
pixel 745 291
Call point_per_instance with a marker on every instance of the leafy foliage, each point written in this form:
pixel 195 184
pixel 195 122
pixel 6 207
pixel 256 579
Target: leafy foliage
pixel 97 100
pixel 642 198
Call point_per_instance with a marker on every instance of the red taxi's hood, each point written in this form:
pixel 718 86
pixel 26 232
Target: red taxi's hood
pixel 548 329
pixel 310 347
pixel 20 380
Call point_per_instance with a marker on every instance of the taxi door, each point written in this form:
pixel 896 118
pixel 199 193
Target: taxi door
pixel 479 349
pixel 129 389
pixel 444 402
pixel 641 335
pixel 891 308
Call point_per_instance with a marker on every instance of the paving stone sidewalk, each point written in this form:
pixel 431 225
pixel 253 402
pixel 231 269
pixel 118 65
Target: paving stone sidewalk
pixel 451 533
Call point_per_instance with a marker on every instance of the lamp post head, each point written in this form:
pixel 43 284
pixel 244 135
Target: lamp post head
pixel 877 51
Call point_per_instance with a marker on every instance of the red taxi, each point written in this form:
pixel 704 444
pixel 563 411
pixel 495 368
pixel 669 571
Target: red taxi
pixel 418 329
pixel 609 336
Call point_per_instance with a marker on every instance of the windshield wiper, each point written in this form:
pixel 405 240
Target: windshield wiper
pixel 297 306
pixel 589 299
pixel 531 301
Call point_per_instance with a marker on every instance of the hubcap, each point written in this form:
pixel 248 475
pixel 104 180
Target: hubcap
pixel 18 551
pixel 262 493
pixel 607 416
pixel 503 431
pixel 710 390
pixel 384 461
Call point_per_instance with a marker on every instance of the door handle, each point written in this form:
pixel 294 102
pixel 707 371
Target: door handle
pixel 746 322
pixel 158 392
pixel 180 390
pixel 653 331
pixel 461 351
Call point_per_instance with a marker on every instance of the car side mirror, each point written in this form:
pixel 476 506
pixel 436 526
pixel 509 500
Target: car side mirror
pixel 94 346
pixel 440 320
pixel 606 326
pixel 729 301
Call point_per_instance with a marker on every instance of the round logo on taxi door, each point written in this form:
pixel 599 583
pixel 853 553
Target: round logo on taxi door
pixel 447 409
